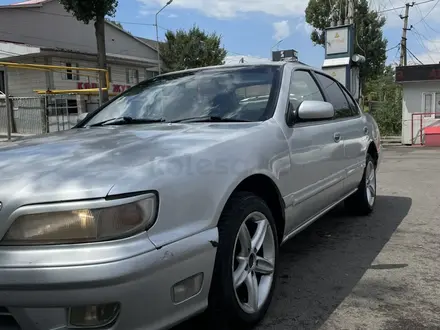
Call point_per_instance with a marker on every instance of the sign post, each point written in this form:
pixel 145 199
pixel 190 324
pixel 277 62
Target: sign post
pixel 340 61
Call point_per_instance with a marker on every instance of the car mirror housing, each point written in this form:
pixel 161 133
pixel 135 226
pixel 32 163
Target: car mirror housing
pixel 315 110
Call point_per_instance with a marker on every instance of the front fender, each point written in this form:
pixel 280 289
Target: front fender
pixel 193 189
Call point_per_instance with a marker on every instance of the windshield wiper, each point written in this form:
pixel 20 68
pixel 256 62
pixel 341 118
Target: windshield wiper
pixel 127 121
pixel 202 119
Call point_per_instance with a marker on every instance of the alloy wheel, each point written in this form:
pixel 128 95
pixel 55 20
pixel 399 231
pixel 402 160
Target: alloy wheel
pixel 253 262
pixel 370 184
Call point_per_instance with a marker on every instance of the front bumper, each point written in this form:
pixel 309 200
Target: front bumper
pixel 38 284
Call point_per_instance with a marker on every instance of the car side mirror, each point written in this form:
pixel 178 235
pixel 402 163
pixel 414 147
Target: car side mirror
pixel 315 110
pixel 82 116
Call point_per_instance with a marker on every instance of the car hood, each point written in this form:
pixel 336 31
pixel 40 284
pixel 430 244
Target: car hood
pixel 86 162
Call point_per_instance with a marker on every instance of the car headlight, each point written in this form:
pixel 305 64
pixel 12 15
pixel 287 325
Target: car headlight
pixel 83 225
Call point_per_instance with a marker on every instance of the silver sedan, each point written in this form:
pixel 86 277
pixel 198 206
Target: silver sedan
pixel 173 199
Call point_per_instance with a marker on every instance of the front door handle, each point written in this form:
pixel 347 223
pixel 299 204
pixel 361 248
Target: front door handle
pixel 337 137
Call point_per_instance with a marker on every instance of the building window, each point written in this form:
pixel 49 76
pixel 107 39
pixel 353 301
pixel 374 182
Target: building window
pixel 70 74
pixel 150 74
pixel 427 106
pixel 132 76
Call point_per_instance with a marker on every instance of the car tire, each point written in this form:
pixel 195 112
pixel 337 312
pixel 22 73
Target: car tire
pixel 363 200
pixel 245 268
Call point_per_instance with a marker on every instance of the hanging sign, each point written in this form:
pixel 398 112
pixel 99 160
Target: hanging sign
pixel 115 88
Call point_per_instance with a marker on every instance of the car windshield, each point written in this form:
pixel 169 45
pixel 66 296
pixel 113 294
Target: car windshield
pixel 230 93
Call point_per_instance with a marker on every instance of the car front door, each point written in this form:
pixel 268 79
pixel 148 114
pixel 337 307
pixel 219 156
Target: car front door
pixel 316 153
pixel 352 130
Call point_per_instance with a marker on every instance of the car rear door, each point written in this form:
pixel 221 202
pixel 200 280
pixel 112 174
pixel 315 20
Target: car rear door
pixel 350 128
pixel 317 155
pixel 356 136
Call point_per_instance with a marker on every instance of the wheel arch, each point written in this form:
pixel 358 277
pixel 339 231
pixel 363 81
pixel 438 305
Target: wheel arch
pixel 264 187
pixel 372 151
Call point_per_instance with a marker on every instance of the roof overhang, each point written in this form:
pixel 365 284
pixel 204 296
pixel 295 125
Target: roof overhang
pixel 74 55
pixel 26 4
pixel 418 73
pixel 9 50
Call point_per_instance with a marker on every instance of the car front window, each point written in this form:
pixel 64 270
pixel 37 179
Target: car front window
pixel 240 93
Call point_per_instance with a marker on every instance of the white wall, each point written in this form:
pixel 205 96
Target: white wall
pixel 412 103
pixel 22 82
pixel 118 73
pixel 51 26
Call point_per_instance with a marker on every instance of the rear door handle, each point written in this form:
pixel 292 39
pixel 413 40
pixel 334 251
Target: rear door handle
pixel 365 130
pixel 337 137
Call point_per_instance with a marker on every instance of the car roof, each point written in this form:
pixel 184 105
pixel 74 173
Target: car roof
pixel 226 66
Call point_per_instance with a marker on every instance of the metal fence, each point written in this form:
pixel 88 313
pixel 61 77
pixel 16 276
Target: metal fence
pixel 41 114
pixel 28 115
pixel 62 113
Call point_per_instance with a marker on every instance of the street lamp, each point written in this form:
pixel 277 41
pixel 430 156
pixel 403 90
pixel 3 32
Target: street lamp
pixel 157 33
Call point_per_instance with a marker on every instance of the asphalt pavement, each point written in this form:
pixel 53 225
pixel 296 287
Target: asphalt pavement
pixel 375 272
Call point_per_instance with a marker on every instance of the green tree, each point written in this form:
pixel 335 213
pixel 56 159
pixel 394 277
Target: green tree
pixel 383 87
pixel 191 49
pixel 96 11
pixel 384 100
pixel 369 40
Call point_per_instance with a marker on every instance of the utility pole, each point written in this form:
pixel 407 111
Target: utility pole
pixel 403 52
pixel 350 11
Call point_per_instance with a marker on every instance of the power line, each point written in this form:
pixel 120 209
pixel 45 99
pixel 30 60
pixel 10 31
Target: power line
pixel 425 22
pixel 420 41
pixel 429 12
pixel 398 45
pixel 402 7
pixel 422 36
pixel 411 53
pixel 412 60
pixel 143 24
pixel 393 8
pixel 70 16
pixel 397 53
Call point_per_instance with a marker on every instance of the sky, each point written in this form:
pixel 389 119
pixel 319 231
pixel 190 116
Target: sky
pixel 252 28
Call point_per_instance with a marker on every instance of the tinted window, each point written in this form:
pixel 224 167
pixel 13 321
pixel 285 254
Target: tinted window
pixel 351 102
pixel 336 96
pixel 303 88
pixel 243 93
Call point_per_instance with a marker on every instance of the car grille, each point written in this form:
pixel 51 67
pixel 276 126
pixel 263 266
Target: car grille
pixel 7 321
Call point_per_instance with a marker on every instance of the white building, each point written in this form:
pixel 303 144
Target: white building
pixel 42 32
pixel 421 100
